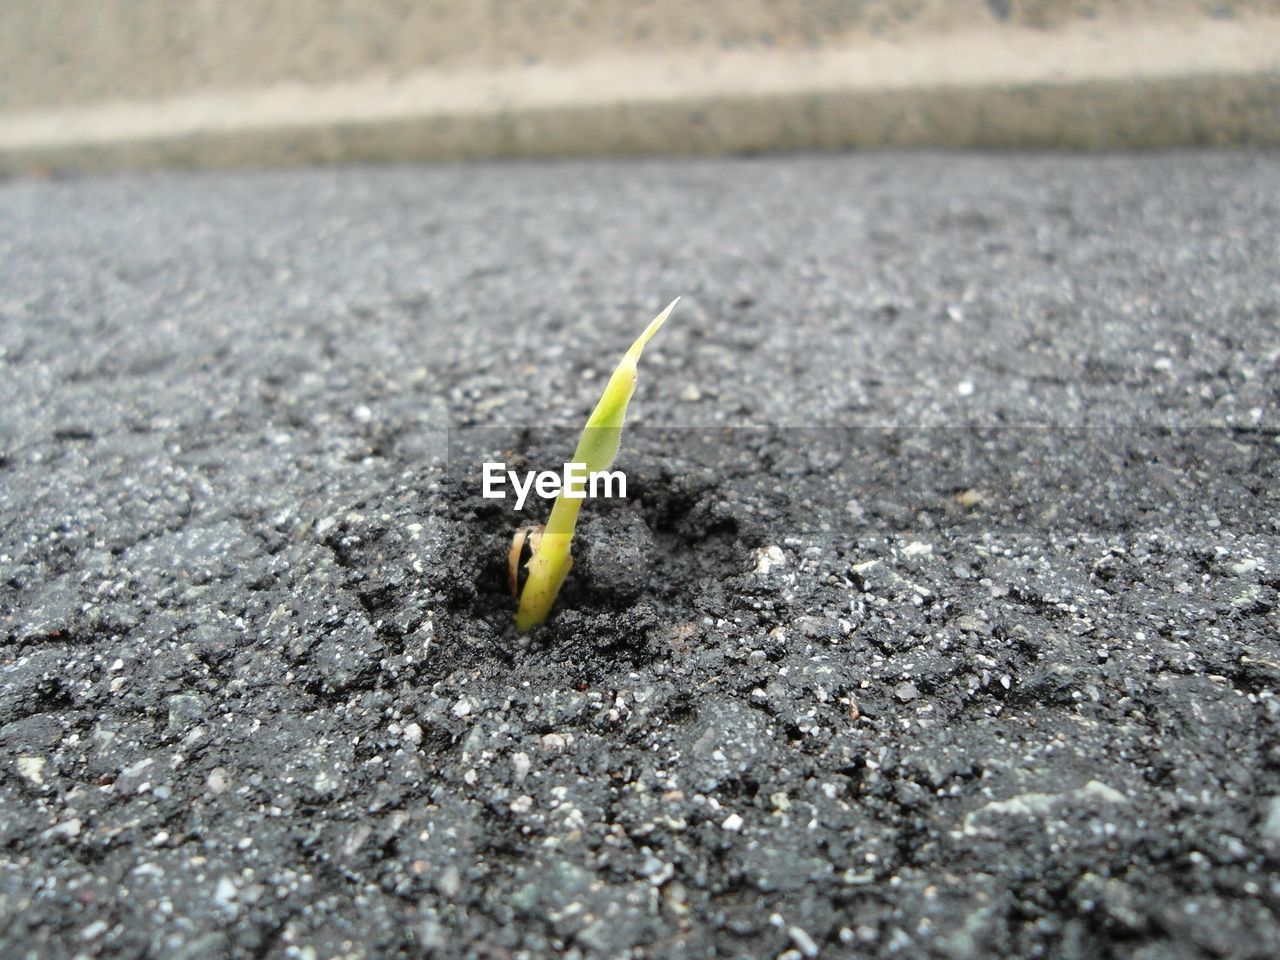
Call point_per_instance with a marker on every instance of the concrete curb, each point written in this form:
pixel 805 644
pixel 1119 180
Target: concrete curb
pixel 1126 86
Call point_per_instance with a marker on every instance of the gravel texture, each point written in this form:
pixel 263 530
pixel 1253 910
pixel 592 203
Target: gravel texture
pixel 941 619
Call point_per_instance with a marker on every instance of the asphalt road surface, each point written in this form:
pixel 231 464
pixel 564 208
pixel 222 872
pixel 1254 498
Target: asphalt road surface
pixel 940 618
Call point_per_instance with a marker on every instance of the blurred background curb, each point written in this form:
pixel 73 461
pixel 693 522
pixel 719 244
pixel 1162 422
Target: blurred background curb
pixel 151 83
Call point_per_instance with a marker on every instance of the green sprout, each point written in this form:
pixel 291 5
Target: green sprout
pixel 550 560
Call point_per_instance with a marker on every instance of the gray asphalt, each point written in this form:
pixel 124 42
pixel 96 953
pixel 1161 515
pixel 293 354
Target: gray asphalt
pixel 950 630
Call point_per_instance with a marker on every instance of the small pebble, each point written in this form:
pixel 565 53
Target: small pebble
pixel 225 893
pixel 1271 819
pixel 769 557
pixel 68 828
pixel 804 943
pixel 31 769
pixel 556 742
pixel 449 883
pixel 217 780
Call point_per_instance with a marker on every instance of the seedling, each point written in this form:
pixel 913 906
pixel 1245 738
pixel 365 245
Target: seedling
pixel 550 559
